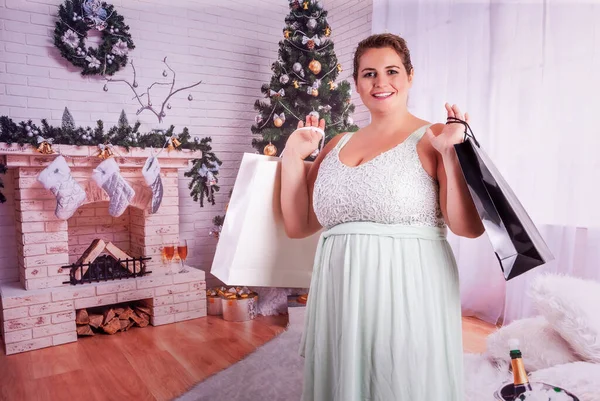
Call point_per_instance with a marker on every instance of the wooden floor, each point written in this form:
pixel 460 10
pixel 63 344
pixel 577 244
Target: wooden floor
pixel 153 363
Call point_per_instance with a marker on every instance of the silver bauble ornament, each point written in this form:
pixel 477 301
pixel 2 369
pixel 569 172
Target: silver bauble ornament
pixel 135 84
pixel 312 23
pixel 297 67
pixel 284 79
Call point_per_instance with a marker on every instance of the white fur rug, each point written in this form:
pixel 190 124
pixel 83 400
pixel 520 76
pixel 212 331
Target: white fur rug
pixel 274 372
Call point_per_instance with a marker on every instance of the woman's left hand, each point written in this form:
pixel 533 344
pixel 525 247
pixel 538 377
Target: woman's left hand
pixel 451 134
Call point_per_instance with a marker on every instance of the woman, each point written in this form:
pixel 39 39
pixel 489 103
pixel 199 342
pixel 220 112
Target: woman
pixel 383 316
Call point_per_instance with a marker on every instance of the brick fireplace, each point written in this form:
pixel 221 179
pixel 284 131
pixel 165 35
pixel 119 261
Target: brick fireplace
pixel 39 310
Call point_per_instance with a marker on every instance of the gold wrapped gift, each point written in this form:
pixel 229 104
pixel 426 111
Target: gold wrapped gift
pixel 239 304
pixel 214 298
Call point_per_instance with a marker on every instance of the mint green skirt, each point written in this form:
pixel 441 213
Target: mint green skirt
pixel 383 319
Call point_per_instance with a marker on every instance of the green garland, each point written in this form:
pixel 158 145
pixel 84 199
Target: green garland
pixel 75 19
pixel 203 173
pixel 2 171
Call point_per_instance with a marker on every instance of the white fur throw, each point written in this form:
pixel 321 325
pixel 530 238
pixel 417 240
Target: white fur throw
pixel 572 307
pixel 542 347
pixel 580 378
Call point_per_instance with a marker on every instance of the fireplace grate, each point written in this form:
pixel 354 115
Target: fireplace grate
pixel 106 268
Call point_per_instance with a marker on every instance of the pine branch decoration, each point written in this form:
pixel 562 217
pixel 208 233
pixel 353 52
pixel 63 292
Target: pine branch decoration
pixel 204 171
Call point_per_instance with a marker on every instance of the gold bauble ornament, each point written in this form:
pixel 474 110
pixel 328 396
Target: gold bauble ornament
pixel 339 68
pixel 315 67
pixel 315 92
pixel 278 122
pixel 286 34
pixel 305 6
pixel 270 150
pixel 327 31
pixel 296 84
pixel 332 85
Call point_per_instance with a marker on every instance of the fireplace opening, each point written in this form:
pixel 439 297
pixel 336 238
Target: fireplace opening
pixel 105 262
pixel 106 268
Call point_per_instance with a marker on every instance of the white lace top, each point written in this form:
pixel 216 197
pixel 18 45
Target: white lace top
pixel 392 188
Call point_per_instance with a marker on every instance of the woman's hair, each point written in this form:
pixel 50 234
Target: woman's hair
pixel 380 41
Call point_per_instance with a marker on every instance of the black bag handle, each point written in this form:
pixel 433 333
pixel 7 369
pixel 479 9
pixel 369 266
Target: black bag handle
pixel 468 130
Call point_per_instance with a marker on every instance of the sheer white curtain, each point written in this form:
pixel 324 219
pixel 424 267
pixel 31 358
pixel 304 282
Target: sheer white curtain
pixel 529 75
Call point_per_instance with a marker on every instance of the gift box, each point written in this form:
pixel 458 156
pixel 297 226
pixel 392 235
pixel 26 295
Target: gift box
pixel 239 304
pixel 214 304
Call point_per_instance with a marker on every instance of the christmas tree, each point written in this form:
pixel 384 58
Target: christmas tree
pixel 123 123
pixel 303 82
pixel 67 120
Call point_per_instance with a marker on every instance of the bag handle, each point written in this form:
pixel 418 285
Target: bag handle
pixel 468 130
pixel 320 148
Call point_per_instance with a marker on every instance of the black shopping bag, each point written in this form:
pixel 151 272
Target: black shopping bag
pixel 517 242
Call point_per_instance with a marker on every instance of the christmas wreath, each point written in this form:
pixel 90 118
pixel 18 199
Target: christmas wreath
pixel 75 19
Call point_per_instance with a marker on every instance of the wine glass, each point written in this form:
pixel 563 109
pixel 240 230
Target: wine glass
pixel 169 252
pixel 182 251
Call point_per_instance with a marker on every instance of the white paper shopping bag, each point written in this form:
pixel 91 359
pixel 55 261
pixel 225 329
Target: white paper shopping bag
pixel 253 248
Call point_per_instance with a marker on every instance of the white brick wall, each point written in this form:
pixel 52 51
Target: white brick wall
pixel 230 47
pixel 350 23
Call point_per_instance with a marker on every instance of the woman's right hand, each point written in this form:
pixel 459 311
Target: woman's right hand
pixel 302 143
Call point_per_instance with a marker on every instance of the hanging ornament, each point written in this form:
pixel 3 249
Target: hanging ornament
pixel 314 113
pixel 165 73
pixel 326 108
pixel 258 119
pixel 284 79
pixel 315 67
pixel 135 84
pixel 314 92
pixel 190 97
pixel 270 150
pixel 296 84
pixel 349 120
pixel 286 33
pixel 105 89
pixel 295 5
pixel 305 5
pixel 297 67
pixel 312 23
pixel 105 151
pixel 211 180
pixel 45 145
pixel 169 106
pixel 339 67
pixel 278 120
pixel 327 31
pixel 311 42
pixel 332 85
pixel 209 173
pixel 279 93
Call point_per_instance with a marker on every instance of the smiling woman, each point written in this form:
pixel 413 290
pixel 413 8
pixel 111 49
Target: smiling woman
pixel 385 284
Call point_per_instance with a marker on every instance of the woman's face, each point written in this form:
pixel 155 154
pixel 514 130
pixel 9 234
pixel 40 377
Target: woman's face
pixel 382 81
